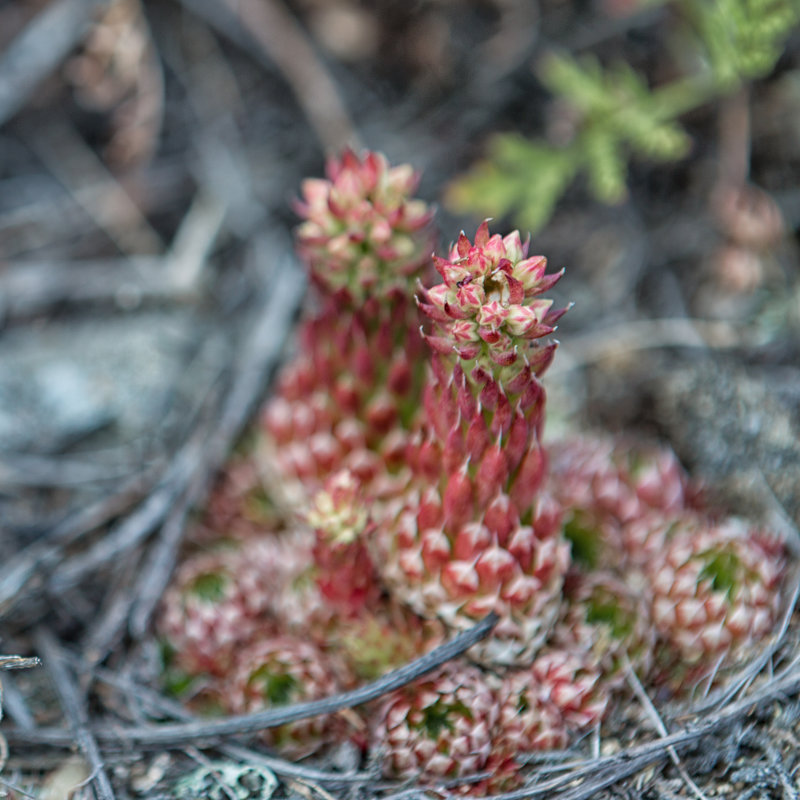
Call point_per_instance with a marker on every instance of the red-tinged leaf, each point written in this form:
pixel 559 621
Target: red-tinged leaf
pixel 429 461
pixel 501 420
pixel 491 476
pixel 456 312
pixel 529 478
pixel 381 413
pixel 443 266
pixel 429 514
pixel 459 579
pixel 347 397
pixel 439 344
pixel 458 500
pixel 548 517
pixel 555 314
pixel 489 395
pixel 501 518
pixel 435 549
pixel 518 381
pixel 453 454
pixel 399 379
pixel 517 441
pixel 470 541
pixel 373 167
pixel 546 282
pixel 333 166
pixel 463 245
pixel 350 160
pixel 505 358
pixel 495 566
pixel 442 371
pixel 482 234
pixel 541 357
pixel 334 206
pixel 505 266
pixel 531 397
pixel 441 412
pixel 489 335
pixel 516 291
pixel 481 375
pixel 466 399
pixel 433 312
pixel 521 545
pixel 468 351
pixel 477 438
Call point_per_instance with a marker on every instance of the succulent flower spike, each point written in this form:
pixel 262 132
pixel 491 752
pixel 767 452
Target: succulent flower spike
pixel 489 310
pixel 363 233
pixel 282 671
pixel 349 398
pixel 476 532
pixel 716 594
pixel 438 728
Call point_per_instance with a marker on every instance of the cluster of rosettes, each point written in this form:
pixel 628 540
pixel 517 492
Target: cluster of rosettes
pixel 419 497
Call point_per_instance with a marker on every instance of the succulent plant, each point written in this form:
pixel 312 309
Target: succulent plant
pixel 363 233
pixel 612 490
pixel 715 594
pixel 608 622
pixel 278 671
pixel 422 498
pixel 211 609
pixel 349 398
pixel 438 728
pixel 344 571
pixel 543 705
pixel 474 532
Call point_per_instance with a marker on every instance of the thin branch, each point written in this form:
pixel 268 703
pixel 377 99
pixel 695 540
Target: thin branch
pixel 268 27
pixel 93 187
pixel 649 334
pixel 177 734
pixel 40 49
pixel 74 710
pixel 661 729
pixel 165 705
pixel 260 353
pixel 34 563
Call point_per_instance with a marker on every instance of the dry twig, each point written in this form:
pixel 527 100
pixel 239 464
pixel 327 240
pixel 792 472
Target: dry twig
pixel 74 708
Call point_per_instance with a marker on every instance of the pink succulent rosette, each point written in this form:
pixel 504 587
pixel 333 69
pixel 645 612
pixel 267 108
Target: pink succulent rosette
pixel 284 670
pixel 716 591
pixel 438 728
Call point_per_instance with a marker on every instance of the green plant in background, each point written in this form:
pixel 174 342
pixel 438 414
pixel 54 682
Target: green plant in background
pixel 619 116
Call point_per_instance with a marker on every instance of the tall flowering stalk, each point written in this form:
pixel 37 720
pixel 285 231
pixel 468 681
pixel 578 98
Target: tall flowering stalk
pixel 346 400
pixel 474 532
